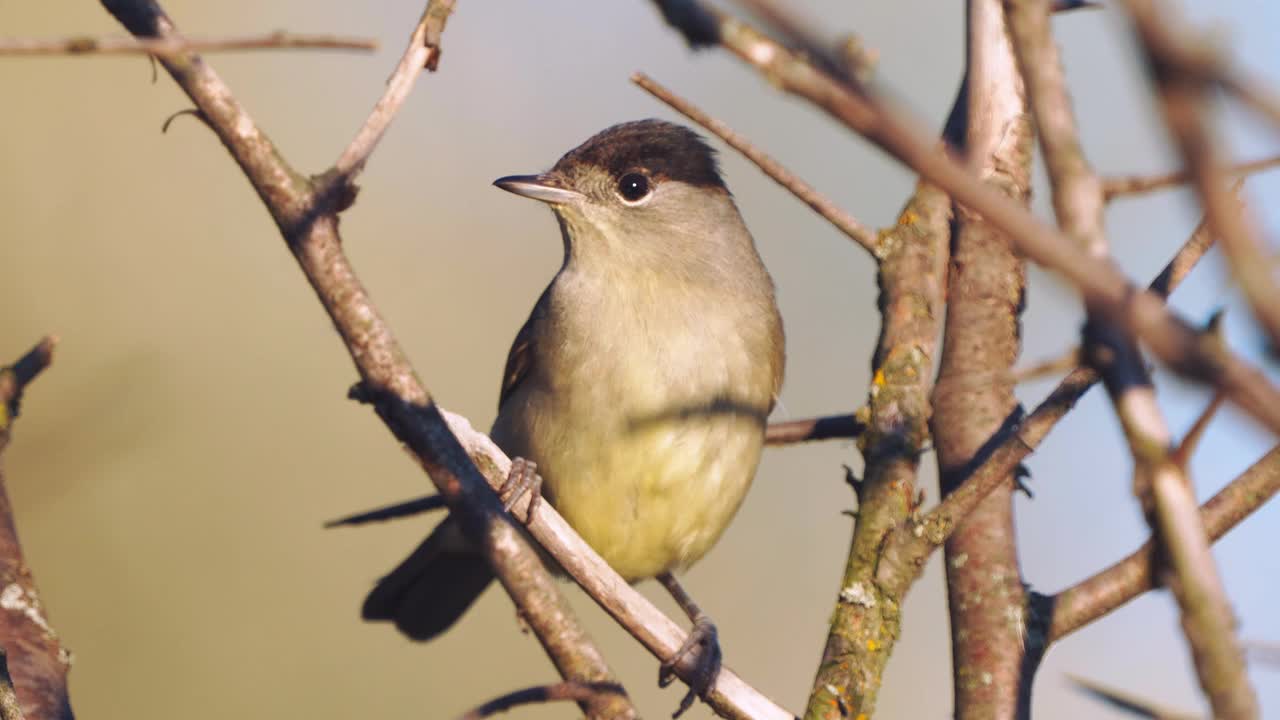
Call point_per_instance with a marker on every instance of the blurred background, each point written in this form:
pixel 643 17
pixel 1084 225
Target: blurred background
pixel 172 472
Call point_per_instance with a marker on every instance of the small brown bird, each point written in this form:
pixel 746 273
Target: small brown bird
pixel 641 382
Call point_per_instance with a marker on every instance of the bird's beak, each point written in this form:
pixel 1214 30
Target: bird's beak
pixel 547 188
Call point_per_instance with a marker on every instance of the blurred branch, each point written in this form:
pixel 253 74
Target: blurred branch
pixel 1090 599
pixel 820 428
pixel 89 45
pixel 307 219
pixel 1178 72
pixel 1160 482
pixel 34 656
pixel 422 52
pixel 807 194
pixel 578 692
pixel 1176 342
pixel 1128 702
pixel 1135 184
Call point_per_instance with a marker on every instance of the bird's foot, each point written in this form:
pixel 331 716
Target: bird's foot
pixel 703 642
pixel 522 478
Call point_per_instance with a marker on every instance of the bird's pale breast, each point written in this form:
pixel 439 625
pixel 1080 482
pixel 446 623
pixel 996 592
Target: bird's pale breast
pixel 648 449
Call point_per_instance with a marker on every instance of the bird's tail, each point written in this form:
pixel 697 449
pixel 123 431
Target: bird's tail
pixel 431 589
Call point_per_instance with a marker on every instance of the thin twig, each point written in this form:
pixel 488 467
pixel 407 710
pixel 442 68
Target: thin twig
pixel 422 53
pixel 1128 702
pixel 1184 98
pixel 820 428
pixel 821 204
pixel 1096 596
pixel 574 691
pixel 1136 184
pixel 1182 454
pixel 90 45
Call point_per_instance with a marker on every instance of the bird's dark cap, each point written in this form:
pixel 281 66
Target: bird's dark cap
pixel 661 149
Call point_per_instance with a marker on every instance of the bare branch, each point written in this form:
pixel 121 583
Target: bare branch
pixel 1174 340
pixel 866 619
pixel 89 45
pixel 986 282
pixel 423 52
pixel 1160 482
pixel 1184 100
pixel 575 691
pixel 1136 184
pixel 1128 702
pixel 1182 454
pixel 34 654
pixel 914 542
pixel 807 194
pixel 821 428
pixel 1090 599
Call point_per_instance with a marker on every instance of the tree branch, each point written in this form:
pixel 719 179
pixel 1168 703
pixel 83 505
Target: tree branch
pixel 89 45
pixel 821 428
pixel 911 544
pixel 1136 184
pixel 1160 483
pixel 422 52
pixel 35 656
pixel 1092 598
pixel 1184 101
pixel 895 431
pixel 578 692
pixel 1181 346
pixel 984 301
pixel 807 194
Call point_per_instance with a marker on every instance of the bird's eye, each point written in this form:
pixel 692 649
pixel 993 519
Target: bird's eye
pixel 633 187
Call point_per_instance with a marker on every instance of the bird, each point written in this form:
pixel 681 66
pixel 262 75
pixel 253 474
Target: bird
pixel 640 384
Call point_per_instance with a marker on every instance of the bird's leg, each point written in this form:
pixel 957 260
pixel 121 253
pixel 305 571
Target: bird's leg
pixel 702 639
pixel 522 478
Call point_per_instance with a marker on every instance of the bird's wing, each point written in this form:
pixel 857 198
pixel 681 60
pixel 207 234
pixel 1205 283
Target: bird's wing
pixel 520 357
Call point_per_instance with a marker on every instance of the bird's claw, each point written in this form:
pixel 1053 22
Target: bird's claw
pixel 522 478
pixel 703 641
